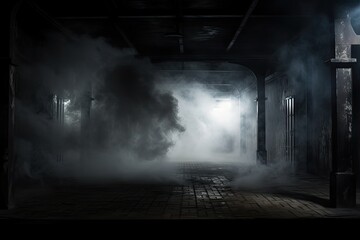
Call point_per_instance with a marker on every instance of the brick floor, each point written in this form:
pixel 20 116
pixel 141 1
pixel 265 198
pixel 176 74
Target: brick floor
pixel 206 193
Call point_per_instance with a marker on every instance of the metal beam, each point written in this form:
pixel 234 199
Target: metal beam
pixel 144 17
pixel 112 6
pixel 242 24
pixel 180 26
pixel 124 36
pixel 200 70
pixel 261 153
pixel 51 20
pixel 190 57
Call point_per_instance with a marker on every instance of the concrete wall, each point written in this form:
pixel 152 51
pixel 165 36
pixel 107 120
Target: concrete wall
pixel 312 121
pixel 319 128
pixel 279 86
pixel 275 91
pixel 248 126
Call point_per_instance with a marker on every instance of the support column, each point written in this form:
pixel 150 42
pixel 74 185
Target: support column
pixel 7 70
pixel 4 132
pixel 85 121
pixel 261 153
pixel 342 177
pixel 355 51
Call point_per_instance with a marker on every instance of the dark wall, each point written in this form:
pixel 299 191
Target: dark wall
pixel 4 118
pixel 356 110
pixel 302 72
pixel 6 72
pixel 312 120
pixel 248 125
pixel 279 86
pixel 276 91
pixel 319 128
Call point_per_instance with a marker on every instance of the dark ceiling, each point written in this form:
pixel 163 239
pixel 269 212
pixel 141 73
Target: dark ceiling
pixel 180 29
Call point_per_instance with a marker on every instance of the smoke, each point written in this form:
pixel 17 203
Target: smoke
pixel 130 123
pixel 254 176
pixel 307 79
pixel 210 109
pixel 141 119
pixel 212 125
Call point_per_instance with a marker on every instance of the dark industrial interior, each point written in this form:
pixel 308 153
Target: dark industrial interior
pixel 180 109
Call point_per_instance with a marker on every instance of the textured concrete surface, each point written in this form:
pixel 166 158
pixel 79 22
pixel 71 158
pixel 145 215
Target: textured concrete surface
pixel 206 193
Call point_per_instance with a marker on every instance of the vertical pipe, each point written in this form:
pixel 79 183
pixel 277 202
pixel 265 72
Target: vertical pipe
pixel 86 100
pixel 63 111
pixel 291 128
pixel 59 118
pixel 289 132
pixel 286 130
pixel 261 120
pixel 62 126
pixel 293 132
pixel 57 108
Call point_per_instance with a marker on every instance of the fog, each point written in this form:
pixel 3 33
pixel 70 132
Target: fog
pixel 141 120
pixel 128 131
pixel 126 118
pixel 211 122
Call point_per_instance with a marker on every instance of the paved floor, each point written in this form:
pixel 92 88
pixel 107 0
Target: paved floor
pixel 206 193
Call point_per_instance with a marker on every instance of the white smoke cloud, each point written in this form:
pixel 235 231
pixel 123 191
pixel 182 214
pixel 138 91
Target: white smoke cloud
pixel 141 121
pixel 130 119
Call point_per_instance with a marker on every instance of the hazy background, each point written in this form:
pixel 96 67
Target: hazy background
pixel 143 119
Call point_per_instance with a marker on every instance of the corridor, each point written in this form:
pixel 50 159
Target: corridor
pixel 206 193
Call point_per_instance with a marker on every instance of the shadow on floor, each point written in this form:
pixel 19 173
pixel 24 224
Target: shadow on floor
pixel 307 197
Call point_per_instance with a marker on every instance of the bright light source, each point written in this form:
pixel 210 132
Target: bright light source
pixel 223 111
pixel 224 104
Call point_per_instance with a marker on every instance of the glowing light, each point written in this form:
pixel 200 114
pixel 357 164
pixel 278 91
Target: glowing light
pixel 223 104
pixel 223 111
pixel 67 102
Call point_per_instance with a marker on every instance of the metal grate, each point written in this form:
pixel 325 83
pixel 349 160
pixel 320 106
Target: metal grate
pixel 290 129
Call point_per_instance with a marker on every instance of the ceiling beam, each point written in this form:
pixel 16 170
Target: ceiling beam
pixel 66 32
pixel 206 58
pixel 146 17
pixel 200 70
pixel 112 8
pixel 242 24
pixel 180 26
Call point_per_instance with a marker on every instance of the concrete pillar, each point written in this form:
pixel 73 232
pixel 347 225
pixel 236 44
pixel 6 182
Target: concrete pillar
pixel 4 132
pixel 261 153
pixel 7 103
pixel 356 111
pixel 342 177
pixel 86 100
